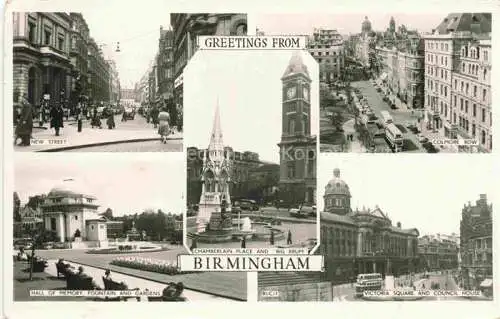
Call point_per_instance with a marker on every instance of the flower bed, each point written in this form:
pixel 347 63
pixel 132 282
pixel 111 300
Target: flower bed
pixel 148 264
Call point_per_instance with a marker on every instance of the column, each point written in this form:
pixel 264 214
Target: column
pixel 374 267
pixel 359 245
pixel 61 228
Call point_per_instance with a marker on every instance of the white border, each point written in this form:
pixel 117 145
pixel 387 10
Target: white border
pixel 249 309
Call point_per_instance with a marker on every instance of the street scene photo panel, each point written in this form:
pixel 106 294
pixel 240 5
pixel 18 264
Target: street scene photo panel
pixel 413 83
pixel 387 228
pixel 82 84
pixel 251 149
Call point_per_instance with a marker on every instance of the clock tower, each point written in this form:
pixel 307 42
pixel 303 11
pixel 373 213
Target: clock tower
pixel 297 146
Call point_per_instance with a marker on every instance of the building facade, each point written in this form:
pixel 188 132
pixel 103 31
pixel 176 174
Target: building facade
pixel 362 241
pixel 297 145
pixel 476 243
pixel 186 27
pixel 99 74
pixel 457 78
pixel 41 56
pixel 327 48
pixel 439 252
pixel 165 64
pixel 73 216
pixel 79 57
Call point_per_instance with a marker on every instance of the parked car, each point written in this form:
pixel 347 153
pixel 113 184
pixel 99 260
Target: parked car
pixel 422 139
pixel 129 113
pixel 248 204
pixel 235 209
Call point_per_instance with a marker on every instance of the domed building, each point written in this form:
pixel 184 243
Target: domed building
pixel 337 195
pixel 366 26
pixel 71 212
pixel 362 241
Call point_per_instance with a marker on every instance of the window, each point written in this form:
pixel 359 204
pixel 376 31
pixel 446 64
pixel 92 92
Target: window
pixel 48 35
pixel 32 32
pixel 76 217
pixel 60 44
pixel 461 104
pixel 462 86
pixel 456 84
pixel 484 74
pixel 466 106
pixel 445 91
pixel 446 46
pixel 483 137
pixel 484 94
pixel 473 132
pixel 291 170
pixel 469 69
pixel 291 126
pixel 467 88
pixel 455 101
pixel 474 110
pixel 445 74
pixel 485 55
pixel 463 67
pixel 483 115
pixel 475 91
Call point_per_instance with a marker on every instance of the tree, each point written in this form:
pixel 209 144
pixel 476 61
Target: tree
pixel 108 214
pixel 17 208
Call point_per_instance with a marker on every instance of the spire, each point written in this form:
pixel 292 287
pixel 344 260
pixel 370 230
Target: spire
pixel 296 65
pixel 216 141
pixel 336 172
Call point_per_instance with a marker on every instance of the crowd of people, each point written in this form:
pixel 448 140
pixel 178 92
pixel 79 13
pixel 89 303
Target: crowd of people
pixel 165 119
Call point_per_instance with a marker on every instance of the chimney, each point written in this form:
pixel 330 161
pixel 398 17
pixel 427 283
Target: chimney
pixel 398 224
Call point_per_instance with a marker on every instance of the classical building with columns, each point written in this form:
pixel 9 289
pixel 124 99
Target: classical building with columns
pixel 41 56
pixel 362 241
pixel 72 213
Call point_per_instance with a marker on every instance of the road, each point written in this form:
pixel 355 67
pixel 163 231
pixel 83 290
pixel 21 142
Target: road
pixel 400 117
pixel 345 292
pixel 44 139
pixel 147 146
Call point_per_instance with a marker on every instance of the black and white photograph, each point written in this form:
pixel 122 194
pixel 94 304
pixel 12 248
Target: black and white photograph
pixel 77 225
pixel 390 83
pixel 84 84
pixel 385 229
pixel 251 149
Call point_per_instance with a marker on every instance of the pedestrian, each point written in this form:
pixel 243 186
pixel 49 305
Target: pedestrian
pixel 56 118
pixel 193 244
pixel 243 242
pixel 164 129
pixel 111 119
pixel 154 116
pixel 24 126
pixel 289 238
pixel 271 238
pixel 96 120
pixel 79 116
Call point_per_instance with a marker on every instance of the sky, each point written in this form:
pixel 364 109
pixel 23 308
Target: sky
pixel 124 184
pixel 138 34
pixel 419 190
pixel 282 24
pixel 247 86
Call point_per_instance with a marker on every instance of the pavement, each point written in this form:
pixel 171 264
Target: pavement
pixel 230 285
pixel 132 282
pixel 355 146
pixel 137 130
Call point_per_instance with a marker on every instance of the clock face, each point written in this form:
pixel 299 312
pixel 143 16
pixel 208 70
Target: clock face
pixel 305 93
pixel 291 93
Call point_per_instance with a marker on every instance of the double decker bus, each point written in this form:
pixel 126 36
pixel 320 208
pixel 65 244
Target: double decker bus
pixel 365 282
pixel 394 137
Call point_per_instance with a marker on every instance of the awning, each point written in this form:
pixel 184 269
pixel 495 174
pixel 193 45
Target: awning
pixel 486 283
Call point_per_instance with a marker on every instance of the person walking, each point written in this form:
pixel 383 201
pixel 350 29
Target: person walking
pixel 271 238
pixel 154 116
pixel 56 118
pixel 79 116
pixel 111 119
pixel 289 237
pixel 243 242
pixel 96 120
pixel 24 126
